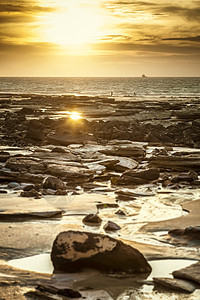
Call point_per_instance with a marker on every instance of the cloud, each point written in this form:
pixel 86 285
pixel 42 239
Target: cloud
pixel 190 39
pixel 23 8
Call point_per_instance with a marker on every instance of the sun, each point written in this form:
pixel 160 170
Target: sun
pixel 74 25
pixel 75 116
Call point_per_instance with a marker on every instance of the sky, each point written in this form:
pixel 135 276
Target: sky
pixel 100 38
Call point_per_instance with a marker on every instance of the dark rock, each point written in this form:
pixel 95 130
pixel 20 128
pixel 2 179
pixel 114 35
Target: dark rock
pixel 29 187
pixel 120 212
pixel 61 192
pixel 111 226
pixel 53 183
pixel 26 111
pixel 58 150
pixel 190 233
pixel 4 156
pixel 58 291
pixel 92 219
pixel 139 176
pixel 175 284
pixel 191 273
pixel 191 176
pixel 74 250
pixel 35 134
pixel 31 193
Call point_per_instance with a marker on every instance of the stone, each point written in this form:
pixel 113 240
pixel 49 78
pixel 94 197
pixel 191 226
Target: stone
pixel 120 213
pixel 74 250
pixel 35 134
pixel 29 187
pixel 53 183
pixel 58 150
pixel 130 150
pixel 92 219
pixel 58 291
pixel 139 176
pixel 191 273
pixel 175 284
pixel 123 164
pixel 111 226
pixel 70 173
pixel 26 111
pixel 26 164
pixel 190 176
pixel 4 156
pixel 30 193
pixel 190 233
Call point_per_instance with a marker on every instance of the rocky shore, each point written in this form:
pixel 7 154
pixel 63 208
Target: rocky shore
pixel 126 172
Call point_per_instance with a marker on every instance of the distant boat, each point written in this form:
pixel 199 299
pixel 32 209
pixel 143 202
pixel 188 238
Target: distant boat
pixel 144 76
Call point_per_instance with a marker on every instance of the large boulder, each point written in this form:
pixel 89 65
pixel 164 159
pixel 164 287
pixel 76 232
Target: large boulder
pixel 74 250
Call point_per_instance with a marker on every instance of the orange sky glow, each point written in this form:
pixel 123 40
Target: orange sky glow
pixel 99 38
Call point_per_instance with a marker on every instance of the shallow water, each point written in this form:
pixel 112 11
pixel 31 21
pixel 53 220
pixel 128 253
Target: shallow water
pixel 160 268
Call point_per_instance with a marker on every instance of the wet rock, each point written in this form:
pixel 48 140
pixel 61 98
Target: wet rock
pixel 26 111
pixel 190 176
pixel 129 150
pixel 24 165
pixel 175 284
pixel 70 173
pixel 31 193
pixel 92 219
pixel 29 187
pixel 35 134
pixel 74 250
pixel 120 213
pixel 123 164
pixel 111 226
pixel 4 156
pixel 53 183
pixel 61 192
pixel 177 162
pixel 191 273
pixel 58 150
pixel 139 176
pixel 190 233
pixel 58 291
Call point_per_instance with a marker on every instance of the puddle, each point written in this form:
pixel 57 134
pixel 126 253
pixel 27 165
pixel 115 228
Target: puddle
pixel 38 263
pixel 42 264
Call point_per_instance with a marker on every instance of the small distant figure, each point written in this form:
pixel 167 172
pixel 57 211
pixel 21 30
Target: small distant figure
pixel 134 93
pixel 111 93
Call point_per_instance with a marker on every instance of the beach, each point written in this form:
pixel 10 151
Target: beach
pixel 134 163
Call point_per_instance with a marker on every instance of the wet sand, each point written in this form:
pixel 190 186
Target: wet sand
pixel 101 159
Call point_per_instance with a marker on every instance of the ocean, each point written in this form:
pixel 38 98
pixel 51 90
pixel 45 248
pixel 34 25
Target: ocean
pixel 122 88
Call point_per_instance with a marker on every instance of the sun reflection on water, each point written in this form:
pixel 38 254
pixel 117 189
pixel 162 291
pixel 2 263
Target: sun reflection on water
pixel 75 116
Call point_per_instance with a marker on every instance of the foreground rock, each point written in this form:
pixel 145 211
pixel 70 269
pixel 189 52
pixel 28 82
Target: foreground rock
pixel 175 284
pixel 137 177
pixel 191 273
pixel 74 250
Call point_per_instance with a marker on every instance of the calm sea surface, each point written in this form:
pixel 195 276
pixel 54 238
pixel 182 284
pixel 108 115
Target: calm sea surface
pixel 131 87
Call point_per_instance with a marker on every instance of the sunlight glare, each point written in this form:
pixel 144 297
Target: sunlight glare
pixel 74 25
pixel 75 116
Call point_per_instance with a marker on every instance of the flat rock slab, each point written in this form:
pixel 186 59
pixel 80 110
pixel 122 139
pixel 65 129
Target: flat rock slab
pixel 175 284
pixel 83 204
pixel 15 207
pixel 191 273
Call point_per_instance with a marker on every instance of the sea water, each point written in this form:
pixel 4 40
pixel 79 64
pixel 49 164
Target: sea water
pixel 168 88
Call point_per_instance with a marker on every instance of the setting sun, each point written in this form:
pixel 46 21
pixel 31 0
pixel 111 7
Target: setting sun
pixel 75 116
pixel 74 25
